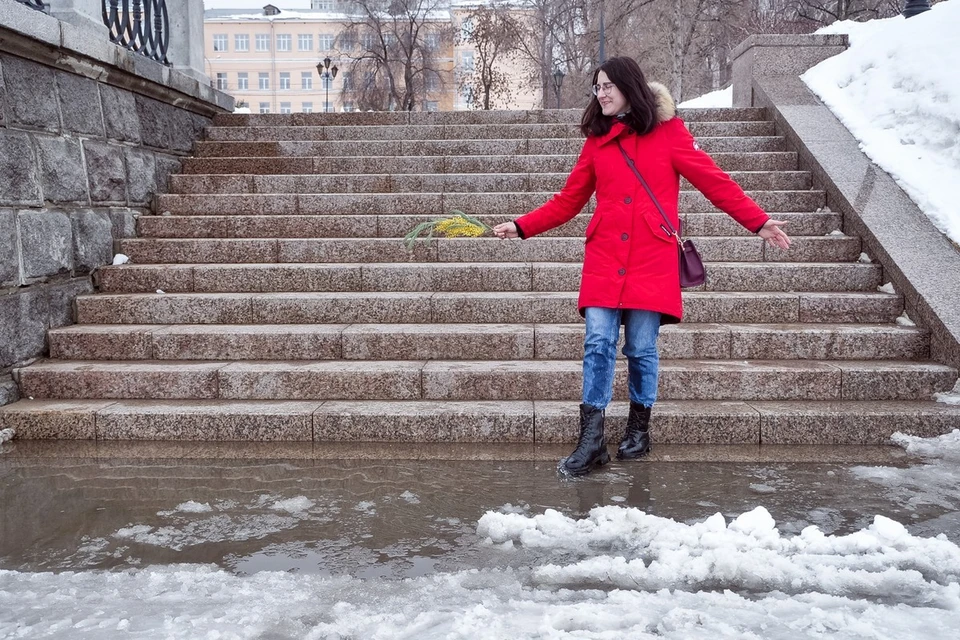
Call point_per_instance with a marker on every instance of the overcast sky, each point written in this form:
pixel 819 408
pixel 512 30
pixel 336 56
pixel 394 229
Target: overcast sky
pixel 255 4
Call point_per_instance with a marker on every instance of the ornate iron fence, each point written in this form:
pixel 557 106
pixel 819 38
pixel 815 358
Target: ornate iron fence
pixel 34 4
pixel 142 26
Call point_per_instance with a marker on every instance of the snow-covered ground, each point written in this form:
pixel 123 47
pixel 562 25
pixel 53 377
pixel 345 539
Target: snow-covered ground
pixel 719 99
pixel 897 89
pixel 617 573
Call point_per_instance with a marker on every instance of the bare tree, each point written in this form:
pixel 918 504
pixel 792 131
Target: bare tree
pixel 495 33
pixel 394 46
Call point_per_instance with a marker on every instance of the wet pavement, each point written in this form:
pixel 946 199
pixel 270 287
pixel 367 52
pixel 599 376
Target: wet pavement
pixel 397 511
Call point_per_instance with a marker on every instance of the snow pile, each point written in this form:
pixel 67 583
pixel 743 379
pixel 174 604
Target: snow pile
pixel 120 258
pixel 713 100
pixel 640 576
pixel 647 552
pixel 898 92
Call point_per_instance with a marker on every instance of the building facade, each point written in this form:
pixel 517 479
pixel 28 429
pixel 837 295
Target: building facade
pixel 268 60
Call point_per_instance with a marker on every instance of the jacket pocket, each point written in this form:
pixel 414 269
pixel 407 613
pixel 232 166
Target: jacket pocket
pixel 659 228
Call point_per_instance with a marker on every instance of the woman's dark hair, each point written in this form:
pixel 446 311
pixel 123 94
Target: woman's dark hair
pixel 626 74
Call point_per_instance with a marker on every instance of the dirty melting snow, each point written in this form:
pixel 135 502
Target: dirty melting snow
pixel 627 574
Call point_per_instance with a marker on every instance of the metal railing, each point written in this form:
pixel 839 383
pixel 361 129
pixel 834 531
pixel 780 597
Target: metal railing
pixel 34 4
pixel 142 26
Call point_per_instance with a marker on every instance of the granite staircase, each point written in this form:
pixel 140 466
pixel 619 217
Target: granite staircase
pixel 271 298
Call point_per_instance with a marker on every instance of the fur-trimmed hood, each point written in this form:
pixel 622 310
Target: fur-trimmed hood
pixel 666 108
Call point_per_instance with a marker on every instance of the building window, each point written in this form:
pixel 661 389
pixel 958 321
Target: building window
pixel 283 41
pixel 221 81
pixel 466 60
pixel 307 107
pixel 348 41
pixel 306 80
pixel 285 107
pixel 325 42
pixel 263 42
pixel 305 42
pixel 432 105
pixel 241 42
pixel 348 106
pixel 326 81
pixel 220 42
pixel 323 5
pixel 264 107
pixel 284 80
pixel 432 42
pixel 327 106
pixel 368 41
pixel 432 82
pixel 264 81
pixel 243 81
pixel 466 29
pixel 348 81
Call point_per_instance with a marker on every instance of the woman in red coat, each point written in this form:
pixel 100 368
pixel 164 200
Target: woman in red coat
pixel 631 267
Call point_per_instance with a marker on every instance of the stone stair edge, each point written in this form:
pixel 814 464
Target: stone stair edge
pixel 755 422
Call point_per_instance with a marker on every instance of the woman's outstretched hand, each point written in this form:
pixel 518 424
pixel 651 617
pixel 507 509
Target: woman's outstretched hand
pixel 506 230
pixel 774 235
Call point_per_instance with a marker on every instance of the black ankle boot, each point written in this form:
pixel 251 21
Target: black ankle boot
pixel 591 451
pixel 636 439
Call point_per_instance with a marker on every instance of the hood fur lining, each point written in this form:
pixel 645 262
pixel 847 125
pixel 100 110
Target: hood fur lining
pixel 665 106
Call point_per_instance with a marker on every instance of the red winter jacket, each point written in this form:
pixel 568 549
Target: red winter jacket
pixel 630 262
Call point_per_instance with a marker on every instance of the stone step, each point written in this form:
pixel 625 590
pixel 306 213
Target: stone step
pixel 458 307
pixel 491 277
pixel 545 146
pixel 476 342
pixel 478 380
pixel 456 132
pixel 437 183
pixel 673 421
pixel 758 161
pixel 569 116
pixel 830 248
pixel 438 204
pixel 397 225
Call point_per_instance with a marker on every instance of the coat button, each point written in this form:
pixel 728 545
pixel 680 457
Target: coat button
pixel 627 200
pixel 622 272
pixel 624 236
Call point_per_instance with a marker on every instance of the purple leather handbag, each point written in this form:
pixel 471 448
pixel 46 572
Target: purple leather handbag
pixel 692 273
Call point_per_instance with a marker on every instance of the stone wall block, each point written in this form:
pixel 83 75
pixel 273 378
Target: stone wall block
pixel 141 175
pixel 34 86
pixel 46 242
pixel 61 297
pixel 184 132
pixel 79 104
pixel 124 222
pixel 92 239
pixel 19 173
pixel 9 390
pixel 166 166
pixel 23 325
pixel 156 122
pixel 9 249
pixel 106 171
pixel 120 118
pixel 63 176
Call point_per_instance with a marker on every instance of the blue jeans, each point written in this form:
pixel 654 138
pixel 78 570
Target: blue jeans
pixel 641 329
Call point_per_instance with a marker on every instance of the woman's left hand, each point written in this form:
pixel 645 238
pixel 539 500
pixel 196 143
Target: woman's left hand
pixel 774 235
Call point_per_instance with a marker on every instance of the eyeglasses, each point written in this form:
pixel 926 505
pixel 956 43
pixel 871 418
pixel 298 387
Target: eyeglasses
pixel 606 87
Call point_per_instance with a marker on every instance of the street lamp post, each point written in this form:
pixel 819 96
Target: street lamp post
pixel 557 81
pixel 327 74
